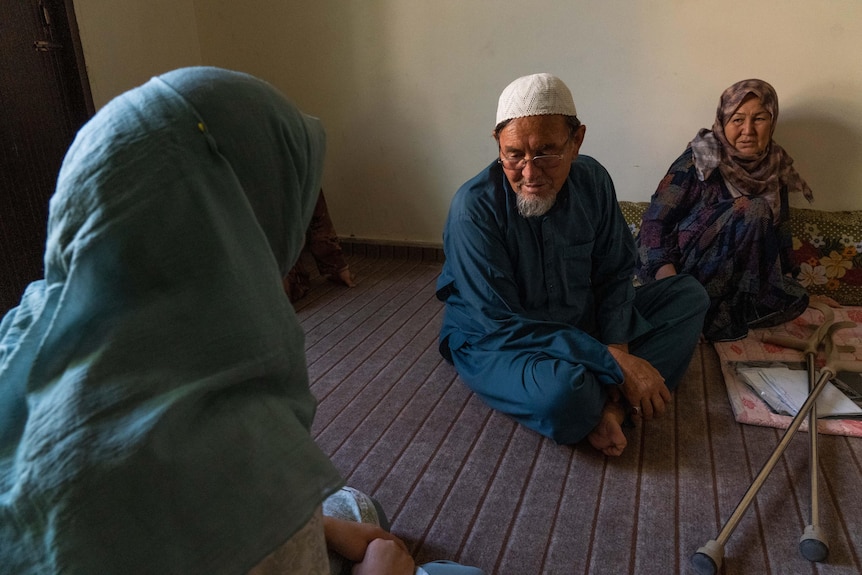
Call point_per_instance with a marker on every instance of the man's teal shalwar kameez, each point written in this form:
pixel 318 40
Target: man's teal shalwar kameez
pixel 532 303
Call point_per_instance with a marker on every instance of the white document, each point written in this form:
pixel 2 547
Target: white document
pixel 785 390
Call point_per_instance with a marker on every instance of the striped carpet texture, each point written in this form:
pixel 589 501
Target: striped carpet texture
pixel 462 482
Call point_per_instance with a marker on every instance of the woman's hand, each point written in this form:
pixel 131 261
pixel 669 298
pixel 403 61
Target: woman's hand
pixel 665 271
pixel 351 539
pixel 385 557
pixel 643 385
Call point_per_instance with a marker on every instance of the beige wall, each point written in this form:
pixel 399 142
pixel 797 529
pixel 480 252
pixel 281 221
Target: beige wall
pixel 126 42
pixel 407 89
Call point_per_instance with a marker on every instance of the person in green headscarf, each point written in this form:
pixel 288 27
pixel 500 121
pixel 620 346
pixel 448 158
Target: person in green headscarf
pixel 154 400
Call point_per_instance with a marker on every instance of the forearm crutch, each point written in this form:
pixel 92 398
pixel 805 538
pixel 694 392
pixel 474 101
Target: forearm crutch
pixel 813 544
pixel 708 558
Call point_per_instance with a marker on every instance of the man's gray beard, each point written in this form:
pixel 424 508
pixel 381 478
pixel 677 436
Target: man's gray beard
pixel 532 206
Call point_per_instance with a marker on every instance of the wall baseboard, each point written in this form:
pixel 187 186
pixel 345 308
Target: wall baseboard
pixel 382 249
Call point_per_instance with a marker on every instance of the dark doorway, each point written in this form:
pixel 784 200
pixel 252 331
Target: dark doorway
pixel 44 99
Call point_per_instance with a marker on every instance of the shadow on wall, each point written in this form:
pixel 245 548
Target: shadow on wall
pixel 826 152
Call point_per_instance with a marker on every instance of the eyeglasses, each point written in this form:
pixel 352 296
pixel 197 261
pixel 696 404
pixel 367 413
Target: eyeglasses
pixel 543 162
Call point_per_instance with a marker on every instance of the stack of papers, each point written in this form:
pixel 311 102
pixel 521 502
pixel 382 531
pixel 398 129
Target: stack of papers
pixel 785 389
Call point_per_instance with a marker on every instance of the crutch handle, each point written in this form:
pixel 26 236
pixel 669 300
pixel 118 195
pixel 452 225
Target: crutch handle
pixel 834 364
pixel 809 345
pixel 806 346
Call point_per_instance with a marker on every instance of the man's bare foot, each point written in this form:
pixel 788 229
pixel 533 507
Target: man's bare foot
pixel 608 436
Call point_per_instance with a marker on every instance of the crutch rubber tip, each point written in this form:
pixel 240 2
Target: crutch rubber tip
pixel 708 558
pixel 813 545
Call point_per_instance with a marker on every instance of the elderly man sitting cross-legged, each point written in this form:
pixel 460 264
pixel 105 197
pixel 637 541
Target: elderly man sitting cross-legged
pixel 542 320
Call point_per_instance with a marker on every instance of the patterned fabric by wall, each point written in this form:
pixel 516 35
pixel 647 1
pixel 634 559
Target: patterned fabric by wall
pixel 827 247
pixel 633 213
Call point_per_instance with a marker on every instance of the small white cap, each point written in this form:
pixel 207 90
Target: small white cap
pixel 535 95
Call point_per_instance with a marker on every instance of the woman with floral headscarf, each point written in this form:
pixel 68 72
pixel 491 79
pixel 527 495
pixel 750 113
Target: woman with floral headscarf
pixel 721 215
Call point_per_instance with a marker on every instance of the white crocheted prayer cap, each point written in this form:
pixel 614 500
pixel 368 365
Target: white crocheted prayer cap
pixel 535 95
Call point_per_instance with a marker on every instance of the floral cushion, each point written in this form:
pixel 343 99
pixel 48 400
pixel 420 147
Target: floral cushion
pixel 827 247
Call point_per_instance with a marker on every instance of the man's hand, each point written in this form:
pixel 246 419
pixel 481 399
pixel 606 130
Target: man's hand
pixel 643 386
pixel 351 539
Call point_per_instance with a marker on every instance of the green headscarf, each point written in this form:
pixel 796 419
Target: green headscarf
pixel 154 401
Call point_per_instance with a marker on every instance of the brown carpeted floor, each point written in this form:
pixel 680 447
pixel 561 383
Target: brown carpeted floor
pixel 464 483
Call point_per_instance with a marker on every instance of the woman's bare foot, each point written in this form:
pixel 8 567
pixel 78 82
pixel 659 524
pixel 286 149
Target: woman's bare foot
pixel 608 436
pixel 346 277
